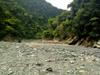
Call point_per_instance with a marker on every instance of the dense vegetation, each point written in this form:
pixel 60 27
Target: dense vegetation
pixel 81 23
pixel 28 19
pixel 24 18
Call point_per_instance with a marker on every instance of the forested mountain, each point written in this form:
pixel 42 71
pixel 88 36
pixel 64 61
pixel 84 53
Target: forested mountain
pixel 81 23
pixel 25 18
pixel 40 7
pixel 28 19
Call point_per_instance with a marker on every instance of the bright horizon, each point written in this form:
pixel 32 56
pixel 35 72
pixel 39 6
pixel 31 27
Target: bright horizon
pixel 61 4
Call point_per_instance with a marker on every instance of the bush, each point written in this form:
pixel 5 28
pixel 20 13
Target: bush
pixel 48 34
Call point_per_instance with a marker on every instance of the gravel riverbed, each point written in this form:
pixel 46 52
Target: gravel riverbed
pixel 48 59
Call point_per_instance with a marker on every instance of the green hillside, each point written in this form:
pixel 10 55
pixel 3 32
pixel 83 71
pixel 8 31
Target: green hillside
pixel 40 7
pixel 79 25
pixel 25 18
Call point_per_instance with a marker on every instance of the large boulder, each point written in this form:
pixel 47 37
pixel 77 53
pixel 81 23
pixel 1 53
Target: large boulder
pixel 97 44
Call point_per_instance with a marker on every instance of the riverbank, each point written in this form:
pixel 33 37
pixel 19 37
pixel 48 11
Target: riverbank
pixel 33 58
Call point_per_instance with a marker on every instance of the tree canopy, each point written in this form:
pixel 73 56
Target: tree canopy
pixel 25 18
pixel 82 21
pixel 28 19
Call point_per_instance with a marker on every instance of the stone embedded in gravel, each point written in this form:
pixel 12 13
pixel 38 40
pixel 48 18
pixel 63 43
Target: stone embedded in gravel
pixel 82 67
pixel 66 59
pixel 97 59
pixel 10 71
pixel 89 58
pixel 50 60
pixel 17 46
pixel 72 62
pixel 74 54
pixel 35 49
pixel 82 72
pixel 39 64
pixel 69 71
pixel 49 69
pixel 32 55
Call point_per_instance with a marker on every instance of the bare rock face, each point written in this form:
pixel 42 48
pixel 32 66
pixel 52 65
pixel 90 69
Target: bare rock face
pixel 72 41
pixel 39 64
pixel 87 41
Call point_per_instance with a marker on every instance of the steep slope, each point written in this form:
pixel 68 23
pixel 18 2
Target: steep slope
pixel 81 23
pixel 41 7
pixel 23 18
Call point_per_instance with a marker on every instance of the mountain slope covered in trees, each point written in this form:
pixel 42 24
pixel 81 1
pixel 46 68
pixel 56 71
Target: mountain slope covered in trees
pixel 81 23
pixel 25 18
pixel 28 19
pixel 40 7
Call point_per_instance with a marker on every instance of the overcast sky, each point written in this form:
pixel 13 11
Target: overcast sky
pixel 62 4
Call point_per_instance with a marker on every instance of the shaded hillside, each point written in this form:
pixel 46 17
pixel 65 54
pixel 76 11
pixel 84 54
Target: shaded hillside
pixel 23 18
pixel 40 7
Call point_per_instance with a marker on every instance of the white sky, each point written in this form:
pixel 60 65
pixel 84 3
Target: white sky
pixel 62 4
